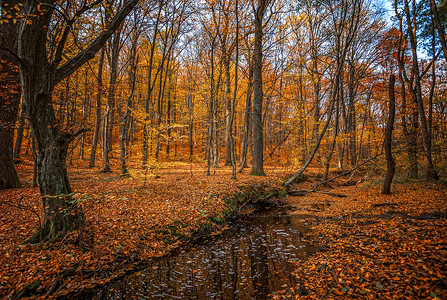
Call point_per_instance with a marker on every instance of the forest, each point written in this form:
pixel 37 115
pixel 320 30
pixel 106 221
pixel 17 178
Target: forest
pixel 131 129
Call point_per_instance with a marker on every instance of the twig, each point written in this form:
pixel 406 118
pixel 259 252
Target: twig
pixel 56 281
pixel 23 207
pixel 345 173
pixel 314 189
pixel 331 194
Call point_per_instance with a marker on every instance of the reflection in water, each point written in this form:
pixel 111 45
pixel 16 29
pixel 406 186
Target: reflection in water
pixel 249 262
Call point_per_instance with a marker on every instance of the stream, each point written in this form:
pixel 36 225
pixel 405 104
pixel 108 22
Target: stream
pixel 252 260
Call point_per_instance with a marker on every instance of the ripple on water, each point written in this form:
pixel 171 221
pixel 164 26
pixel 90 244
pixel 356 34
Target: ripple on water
pixel 249 262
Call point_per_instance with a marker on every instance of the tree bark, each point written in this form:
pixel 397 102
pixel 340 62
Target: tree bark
pixel 258 136
pixel 233 104
pixel 150 87
pixel 110 107
pixel 125 126
pixel 19 135
pixel 409 126
pixel 190 99
pixel 391 165
pixel 97 131
pixel 228 126
pixel 416 92
pixel 38 78
pixel 210 112
pixel 247 120
pixel 9 98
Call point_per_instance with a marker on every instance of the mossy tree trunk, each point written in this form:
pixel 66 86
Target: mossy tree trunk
pixel 39 73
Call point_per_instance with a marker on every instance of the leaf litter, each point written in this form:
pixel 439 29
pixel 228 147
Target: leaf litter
pixel 129 220
pixel 375 246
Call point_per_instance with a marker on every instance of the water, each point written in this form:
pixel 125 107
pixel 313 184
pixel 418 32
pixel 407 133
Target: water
pixel 250 261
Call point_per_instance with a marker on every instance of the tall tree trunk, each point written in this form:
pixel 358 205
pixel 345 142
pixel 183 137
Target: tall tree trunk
pixel 233 104
pixel 190 99
pixel 61 215
pixel 85 99
pixel 351 116
pixel 228 127
pixel 417 91
pixel 38 78
pixel 391 165
pixel 160 104
pixel 110 107
pixel 334 141
pixel 409 126
pixel 258 138
pixel 168 122
pixel 209 147
pixel 125 125
pixel 150 88
pixel 159 112
pixel 98 110
pixel 247 120
pixel 9 98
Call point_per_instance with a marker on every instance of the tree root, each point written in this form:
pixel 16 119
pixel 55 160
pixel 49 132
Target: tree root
pixel 50 232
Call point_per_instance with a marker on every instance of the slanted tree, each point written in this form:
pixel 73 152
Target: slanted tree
pixel 345 16
pixel 41 69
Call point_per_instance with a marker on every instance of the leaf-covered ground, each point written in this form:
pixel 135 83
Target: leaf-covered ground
pixel 374 246
pixel 129 220
pixel 371 246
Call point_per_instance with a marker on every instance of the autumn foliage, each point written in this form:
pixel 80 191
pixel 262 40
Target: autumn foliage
pixel 122 119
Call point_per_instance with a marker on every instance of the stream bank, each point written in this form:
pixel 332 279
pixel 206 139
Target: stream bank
pixel 252 259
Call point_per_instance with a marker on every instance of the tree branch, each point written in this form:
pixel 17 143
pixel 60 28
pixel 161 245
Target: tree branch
pixel 88 53
pixel 67 29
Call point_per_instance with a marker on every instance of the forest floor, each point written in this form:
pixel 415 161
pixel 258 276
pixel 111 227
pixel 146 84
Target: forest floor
pixel 375 246
pixel 370 245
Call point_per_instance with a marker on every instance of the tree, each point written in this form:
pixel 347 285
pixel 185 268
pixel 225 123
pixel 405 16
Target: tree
pixel 345 17
pixel 258 135
pixel 133 62
pixel 9 94
pixel 391 165
pixel 107 135
pixel 233 103
pixel 409 120
pixel 439 26
pixel 416 90
pixel 98 118
pixel 41 69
